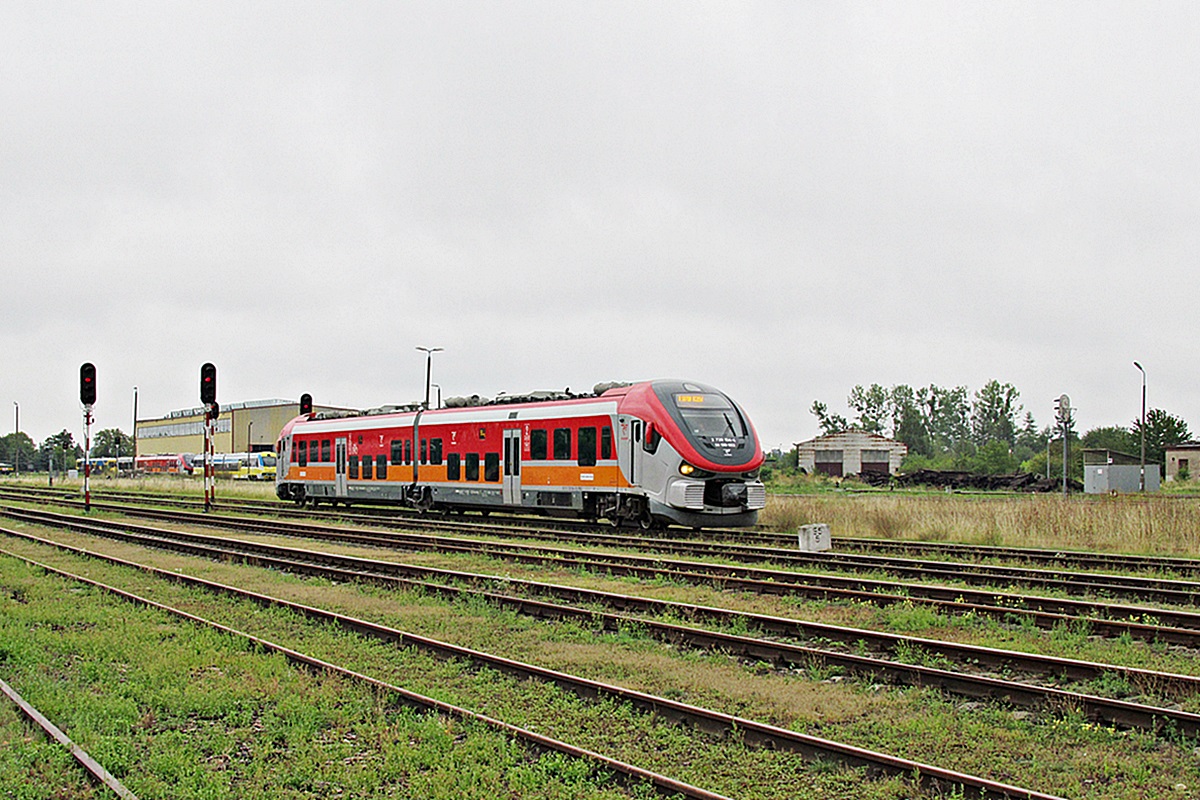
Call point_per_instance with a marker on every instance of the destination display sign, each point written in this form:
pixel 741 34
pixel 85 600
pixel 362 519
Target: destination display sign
pixel 714 401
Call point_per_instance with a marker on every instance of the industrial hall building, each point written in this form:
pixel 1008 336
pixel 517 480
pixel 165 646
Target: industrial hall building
pixel 851 453
pixel 248 427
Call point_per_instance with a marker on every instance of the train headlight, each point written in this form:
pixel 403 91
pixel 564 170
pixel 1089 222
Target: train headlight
pixel 686 468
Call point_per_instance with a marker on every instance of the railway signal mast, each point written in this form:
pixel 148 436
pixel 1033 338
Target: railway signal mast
pixel 1062 408
pixel 208 399
pixel 87 396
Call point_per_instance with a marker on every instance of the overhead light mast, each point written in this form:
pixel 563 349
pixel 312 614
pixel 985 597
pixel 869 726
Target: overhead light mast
pixel 1142 429
pixel 429 351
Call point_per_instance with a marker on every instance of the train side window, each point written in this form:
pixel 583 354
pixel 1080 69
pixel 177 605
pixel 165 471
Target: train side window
pixel 562 444
pixel 325 459
pixel 472 470
pixel 381 467
pixel 424 451
pixel 304 454
pixel 537 444
pixel 435 451
pixel 491 466
pixel 353 467
pixel 606 445
pixel 587 447
pixel 397 451
pixel 653 437
pixel 367 463
pixel 408 451
pixel 453 467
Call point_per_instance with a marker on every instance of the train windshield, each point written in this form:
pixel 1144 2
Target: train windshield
pixel 710 416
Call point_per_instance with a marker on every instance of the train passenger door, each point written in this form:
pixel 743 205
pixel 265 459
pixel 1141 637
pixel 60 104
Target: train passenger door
pixel 511 492
pixel 339 480
pixel 635 453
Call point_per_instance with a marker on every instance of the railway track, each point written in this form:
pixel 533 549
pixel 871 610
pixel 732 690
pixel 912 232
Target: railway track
pixel 629 772
pixel 94 769
pixel 749 730
pixel 1143 590
pixel 967 683
pixel 1103 618
pixel 560 529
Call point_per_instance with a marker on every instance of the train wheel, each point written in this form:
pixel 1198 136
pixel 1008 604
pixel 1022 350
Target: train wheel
pixel 645 521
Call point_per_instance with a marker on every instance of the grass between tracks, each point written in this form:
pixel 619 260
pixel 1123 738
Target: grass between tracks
pixel 178 711
pixel 1058 753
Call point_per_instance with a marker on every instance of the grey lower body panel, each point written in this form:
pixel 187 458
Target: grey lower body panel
pixel 709 518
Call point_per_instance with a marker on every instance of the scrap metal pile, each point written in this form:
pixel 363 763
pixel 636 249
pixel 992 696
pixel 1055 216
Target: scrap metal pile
pixel 970 481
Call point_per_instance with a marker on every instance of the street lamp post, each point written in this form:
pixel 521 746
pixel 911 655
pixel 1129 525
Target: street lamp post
pixel 1142 429
pixel 249 428
pixel 429 351
pixel 17 439
pixel 131 464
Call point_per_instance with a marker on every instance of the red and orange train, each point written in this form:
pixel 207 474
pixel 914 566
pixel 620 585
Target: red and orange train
pixel 650 453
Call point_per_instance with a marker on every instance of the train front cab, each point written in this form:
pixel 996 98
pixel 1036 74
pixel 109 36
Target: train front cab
pixel 693 454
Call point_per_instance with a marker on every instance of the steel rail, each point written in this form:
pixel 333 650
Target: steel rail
pixel 1100 614
pixel 749 731
pixel 970 573
pixel 663 783
pixel 296 559
pixel 1032 555
pixel 1097 708
pixel 1180 627
pixel 399 516
pixel 1184 593
pixel 93 767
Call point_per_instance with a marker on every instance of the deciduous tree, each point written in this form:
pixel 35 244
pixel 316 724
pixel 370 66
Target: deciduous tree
pixel 994 413
pixel 111 442
pixel 830 423
pixel 1162 431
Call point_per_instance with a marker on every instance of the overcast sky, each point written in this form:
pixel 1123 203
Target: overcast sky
pixel 782 200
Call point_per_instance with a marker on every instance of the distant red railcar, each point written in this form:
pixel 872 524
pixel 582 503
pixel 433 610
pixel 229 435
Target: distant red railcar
pixel 167 464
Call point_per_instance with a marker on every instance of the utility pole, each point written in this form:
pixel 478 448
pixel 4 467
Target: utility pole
pixel 1142 429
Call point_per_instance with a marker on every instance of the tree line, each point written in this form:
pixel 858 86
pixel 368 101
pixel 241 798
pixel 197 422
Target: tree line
pixel 987 431
pixel 60 452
